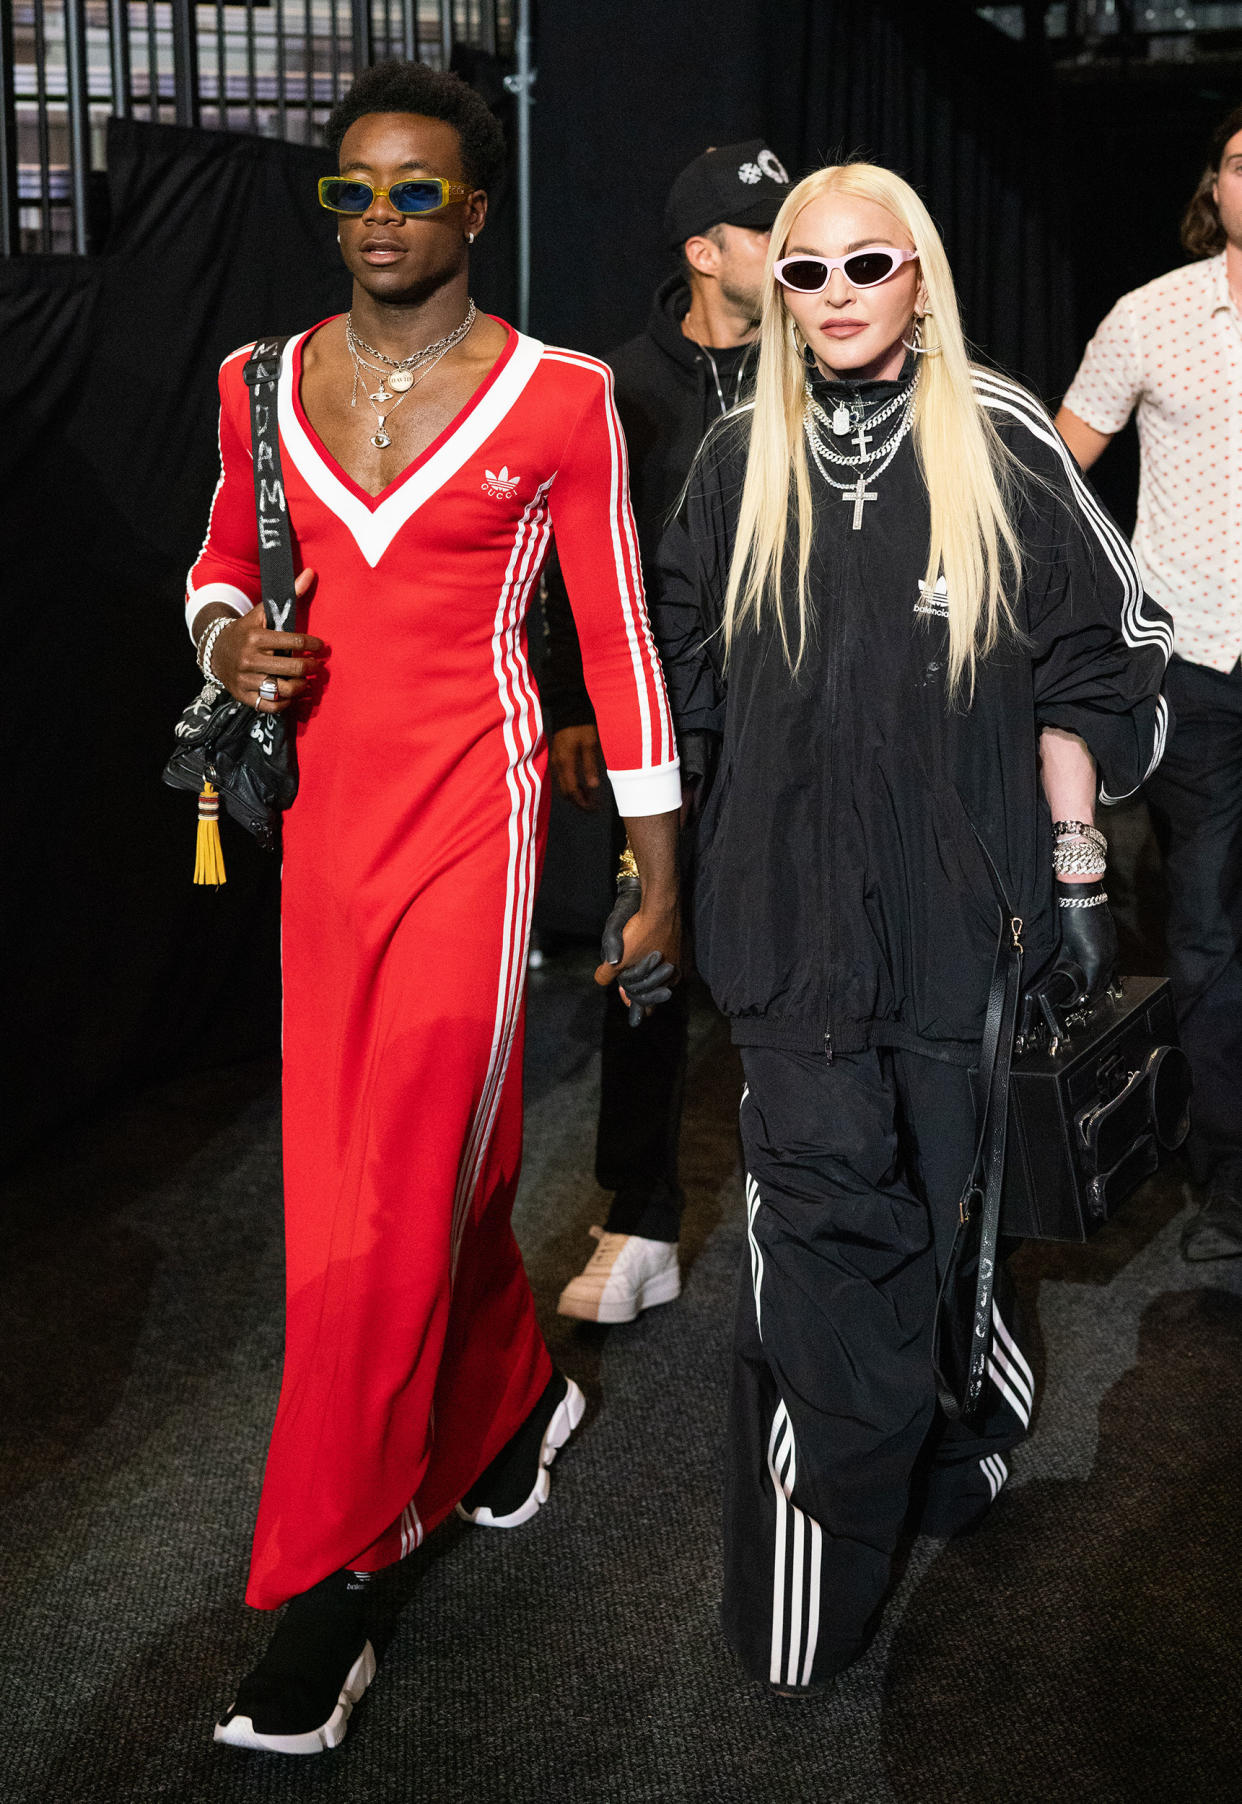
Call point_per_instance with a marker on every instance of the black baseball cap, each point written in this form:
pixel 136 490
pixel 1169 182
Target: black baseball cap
pixel 737 184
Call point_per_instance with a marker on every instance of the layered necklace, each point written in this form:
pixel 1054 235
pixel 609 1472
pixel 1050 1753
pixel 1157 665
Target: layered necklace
pixel 396 378
pixel 871 460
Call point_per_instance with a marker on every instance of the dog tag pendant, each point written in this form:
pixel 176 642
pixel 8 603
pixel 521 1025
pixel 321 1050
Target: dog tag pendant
pixel 381 441
pixel 400 380
pixel 841 419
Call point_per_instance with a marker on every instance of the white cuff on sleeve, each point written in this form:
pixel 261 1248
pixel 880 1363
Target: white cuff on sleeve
pixel 653 791
pixel 232 597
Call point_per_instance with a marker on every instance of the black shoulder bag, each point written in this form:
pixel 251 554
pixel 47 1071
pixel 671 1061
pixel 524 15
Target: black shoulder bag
pixel 224 747
pixel 962 1336
pixel 1074 1112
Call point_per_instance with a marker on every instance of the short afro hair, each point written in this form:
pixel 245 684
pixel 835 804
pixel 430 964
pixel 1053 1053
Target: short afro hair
pixel 395 86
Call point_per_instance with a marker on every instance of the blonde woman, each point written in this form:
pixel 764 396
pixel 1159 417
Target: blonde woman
pixel 920 643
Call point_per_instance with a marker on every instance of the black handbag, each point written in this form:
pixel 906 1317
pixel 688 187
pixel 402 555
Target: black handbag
pixel 224 745
pixel 1073 1114
pixel 1092 1106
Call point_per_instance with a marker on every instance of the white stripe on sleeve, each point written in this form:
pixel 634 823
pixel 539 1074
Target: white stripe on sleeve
pixel 197 599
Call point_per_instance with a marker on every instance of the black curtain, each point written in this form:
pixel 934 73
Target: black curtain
pixel 930 91
pixel 108 467
pixel 118 966
pixel 1137 147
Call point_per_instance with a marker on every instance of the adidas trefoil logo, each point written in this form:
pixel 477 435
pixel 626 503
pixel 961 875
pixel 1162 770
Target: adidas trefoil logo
pixel 933 601
pixel 499 484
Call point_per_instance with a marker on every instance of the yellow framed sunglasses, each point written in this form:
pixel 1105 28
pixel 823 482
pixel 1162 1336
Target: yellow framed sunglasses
pixel 421 194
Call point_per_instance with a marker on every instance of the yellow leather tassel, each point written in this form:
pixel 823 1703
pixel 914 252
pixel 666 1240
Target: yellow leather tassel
pixel 209 858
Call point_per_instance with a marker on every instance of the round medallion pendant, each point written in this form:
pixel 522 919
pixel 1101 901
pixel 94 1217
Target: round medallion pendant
pixel 381 441
pixel 400 380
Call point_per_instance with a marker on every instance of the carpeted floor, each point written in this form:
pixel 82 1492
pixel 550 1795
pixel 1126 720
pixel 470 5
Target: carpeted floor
pixel 1082 1645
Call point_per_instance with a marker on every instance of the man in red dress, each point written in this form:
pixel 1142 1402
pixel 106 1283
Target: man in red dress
pixel 429 454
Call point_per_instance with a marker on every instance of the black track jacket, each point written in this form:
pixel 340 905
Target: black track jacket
pixel 842 899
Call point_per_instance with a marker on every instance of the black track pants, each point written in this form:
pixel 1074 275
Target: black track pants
pixel 854 1173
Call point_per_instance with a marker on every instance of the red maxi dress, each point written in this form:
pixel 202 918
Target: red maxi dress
pixel 411 860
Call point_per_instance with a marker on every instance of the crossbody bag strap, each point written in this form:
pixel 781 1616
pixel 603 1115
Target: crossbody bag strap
pixel 985 1186
pixel 262 374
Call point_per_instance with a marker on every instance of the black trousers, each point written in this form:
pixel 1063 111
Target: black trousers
pixel 641 1088
pixel 1195 798
pixel 835 1437
pixel 642 1081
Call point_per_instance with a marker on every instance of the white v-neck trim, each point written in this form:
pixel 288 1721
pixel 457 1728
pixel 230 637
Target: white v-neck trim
pixel 374 529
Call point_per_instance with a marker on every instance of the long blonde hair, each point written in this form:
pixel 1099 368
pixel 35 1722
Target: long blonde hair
pixel 968 471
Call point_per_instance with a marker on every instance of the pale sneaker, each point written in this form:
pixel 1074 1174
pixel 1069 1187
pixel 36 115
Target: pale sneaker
pixel 625 1274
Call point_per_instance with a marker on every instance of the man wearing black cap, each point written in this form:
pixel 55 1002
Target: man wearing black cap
pixel 693 363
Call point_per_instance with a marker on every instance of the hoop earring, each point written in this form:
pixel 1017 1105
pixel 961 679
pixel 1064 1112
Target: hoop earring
pixel 918 347
pixel 469 237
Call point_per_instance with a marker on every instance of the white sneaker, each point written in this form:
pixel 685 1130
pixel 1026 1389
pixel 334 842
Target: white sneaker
pixel 625 1274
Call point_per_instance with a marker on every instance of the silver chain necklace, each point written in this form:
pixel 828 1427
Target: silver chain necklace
pixel 737 385
pixel 864 429
pixel 857 491
pixel 400 376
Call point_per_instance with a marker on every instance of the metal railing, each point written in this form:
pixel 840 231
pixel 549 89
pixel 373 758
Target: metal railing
pixel 1152 30
pixel 273 67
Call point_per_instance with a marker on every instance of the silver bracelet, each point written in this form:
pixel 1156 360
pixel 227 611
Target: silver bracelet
pixel 1078 861
pixel 1083 901
pixel 1079 830
pixel 207 644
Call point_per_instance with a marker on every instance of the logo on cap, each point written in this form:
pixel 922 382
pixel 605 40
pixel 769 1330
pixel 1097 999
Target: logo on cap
pixel 770 165
pixel 750 172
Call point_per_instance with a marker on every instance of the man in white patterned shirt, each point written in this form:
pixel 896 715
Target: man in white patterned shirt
pixel 1173 350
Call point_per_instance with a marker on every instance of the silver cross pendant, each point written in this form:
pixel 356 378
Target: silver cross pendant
pixel 859 495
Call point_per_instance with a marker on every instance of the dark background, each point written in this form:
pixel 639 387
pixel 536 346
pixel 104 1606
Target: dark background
pixel 930 90
pixel 1054 198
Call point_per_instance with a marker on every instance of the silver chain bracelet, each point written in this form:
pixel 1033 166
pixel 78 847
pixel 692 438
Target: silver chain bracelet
pixel 1083 901
pixel 1079 830
pixel 207 644
pixel 1078 860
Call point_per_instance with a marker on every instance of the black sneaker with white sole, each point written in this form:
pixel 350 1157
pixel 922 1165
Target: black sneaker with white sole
pixel 517 1483
pixel 319 1662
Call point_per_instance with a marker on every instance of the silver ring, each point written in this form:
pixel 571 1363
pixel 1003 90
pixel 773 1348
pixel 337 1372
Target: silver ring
pixel 269 690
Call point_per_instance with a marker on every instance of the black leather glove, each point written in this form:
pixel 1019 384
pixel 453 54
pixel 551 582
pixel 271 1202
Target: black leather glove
pixel 650 980
pixel 1084 965
pixel 628 902
pixel 1088 937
